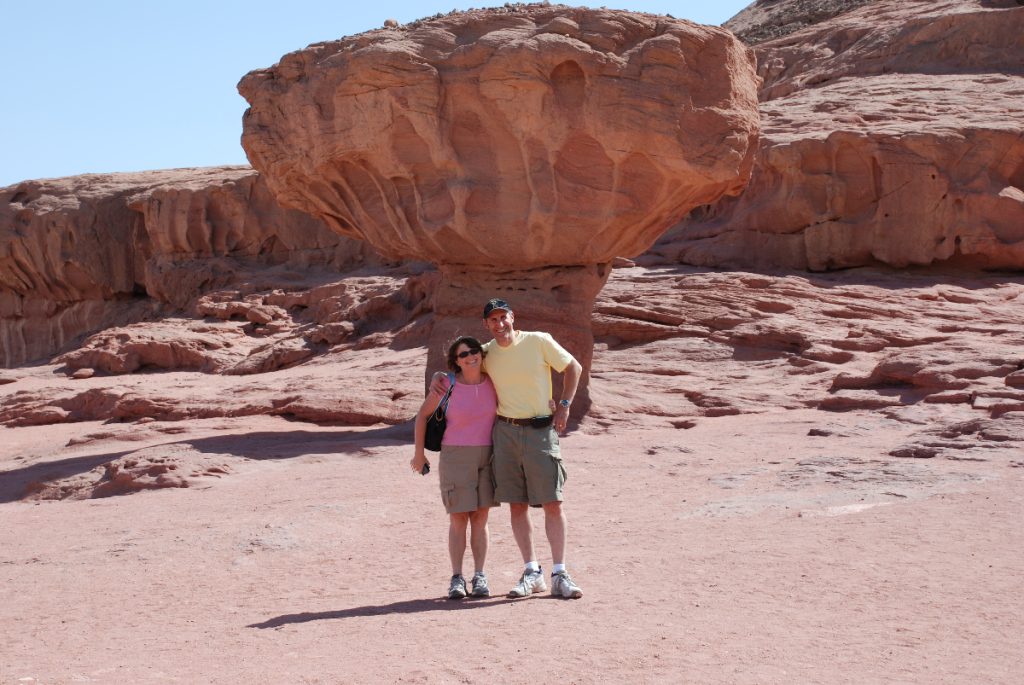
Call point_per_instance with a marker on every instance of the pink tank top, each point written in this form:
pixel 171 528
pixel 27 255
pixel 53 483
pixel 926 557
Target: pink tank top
pixel 471 412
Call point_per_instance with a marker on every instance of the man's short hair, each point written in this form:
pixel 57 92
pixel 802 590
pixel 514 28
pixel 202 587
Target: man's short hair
pixel 495 304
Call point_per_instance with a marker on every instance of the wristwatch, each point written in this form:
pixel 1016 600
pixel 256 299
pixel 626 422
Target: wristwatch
pixel 564 403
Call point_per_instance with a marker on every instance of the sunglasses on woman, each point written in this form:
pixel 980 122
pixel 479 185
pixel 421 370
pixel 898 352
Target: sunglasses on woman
pixel 466 353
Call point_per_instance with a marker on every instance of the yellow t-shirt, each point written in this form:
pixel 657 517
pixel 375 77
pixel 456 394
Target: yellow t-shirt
pixel 521 373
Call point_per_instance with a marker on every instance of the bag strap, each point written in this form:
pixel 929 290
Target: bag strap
pixel 442 406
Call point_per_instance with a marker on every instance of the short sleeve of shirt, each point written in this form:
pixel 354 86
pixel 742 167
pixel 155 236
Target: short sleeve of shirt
pixel 555 355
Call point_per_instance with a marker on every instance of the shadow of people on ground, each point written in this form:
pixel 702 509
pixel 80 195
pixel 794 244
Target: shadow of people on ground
pixel 410 606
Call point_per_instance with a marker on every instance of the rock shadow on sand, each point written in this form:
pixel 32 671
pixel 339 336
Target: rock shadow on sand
pixel 293 444
pixel 21 483
pixel 16 483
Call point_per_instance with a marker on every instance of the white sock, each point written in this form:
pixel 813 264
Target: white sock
pixel 557 568
pixel 532 567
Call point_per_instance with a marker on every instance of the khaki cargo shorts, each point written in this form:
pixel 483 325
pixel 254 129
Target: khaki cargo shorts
pixel 466 478
pixel 527 464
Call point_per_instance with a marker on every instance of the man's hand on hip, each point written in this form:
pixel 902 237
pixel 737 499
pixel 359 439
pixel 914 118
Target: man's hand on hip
pixel 561 418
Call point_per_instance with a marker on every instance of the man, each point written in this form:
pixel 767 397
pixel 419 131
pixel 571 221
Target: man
pixel 528 467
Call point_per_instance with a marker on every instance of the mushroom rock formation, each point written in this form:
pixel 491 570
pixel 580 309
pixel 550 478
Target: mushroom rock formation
pixel 84 253
pixel 890 134
pixel 520 149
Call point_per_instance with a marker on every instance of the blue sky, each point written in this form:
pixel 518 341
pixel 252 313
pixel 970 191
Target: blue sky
pixel 112 85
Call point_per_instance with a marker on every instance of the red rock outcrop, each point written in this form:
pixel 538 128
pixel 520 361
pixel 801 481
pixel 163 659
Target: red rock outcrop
pixel 891 134
pixel 764 20
pixel 518 137
pixel 519 148
pixel 152 469
pixel 257 331
pixel 926 350
pixel 675 346
pixel 83 253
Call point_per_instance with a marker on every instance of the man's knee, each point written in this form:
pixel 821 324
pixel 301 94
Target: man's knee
pixel 518 509
pixel 552 509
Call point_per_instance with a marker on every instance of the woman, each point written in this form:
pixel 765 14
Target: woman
pixel 467 486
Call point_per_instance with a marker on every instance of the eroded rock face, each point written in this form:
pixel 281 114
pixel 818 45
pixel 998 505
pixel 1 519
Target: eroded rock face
pixel 518 137
pixel 83 253
pixel 936 352
pixel 764 20
pixel 258 331
pixel 932 359
pixel 890 135
pixel 500 144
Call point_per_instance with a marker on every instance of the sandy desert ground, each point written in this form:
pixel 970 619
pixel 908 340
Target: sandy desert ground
pixel 757 538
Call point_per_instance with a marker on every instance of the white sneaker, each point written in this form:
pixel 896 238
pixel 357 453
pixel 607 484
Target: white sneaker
pixel 528 584
pixel 562 586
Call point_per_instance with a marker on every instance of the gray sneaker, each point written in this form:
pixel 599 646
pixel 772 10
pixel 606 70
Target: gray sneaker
pixel 562 586
pixel 528 584
pixel 480 587
pixel 457 588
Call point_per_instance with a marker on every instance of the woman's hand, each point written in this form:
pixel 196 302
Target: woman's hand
pixel 417 462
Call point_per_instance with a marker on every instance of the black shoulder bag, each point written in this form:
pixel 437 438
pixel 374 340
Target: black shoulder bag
pixel 438 421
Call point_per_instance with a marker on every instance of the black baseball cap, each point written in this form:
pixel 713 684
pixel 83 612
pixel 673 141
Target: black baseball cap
pixel 496 304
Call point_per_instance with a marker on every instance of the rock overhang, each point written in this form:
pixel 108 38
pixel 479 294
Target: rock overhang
pixel 574 135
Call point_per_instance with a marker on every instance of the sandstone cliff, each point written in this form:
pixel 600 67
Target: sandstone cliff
pixel 80 254
pixel 891 134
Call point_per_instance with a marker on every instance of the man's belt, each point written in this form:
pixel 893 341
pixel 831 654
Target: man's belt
pixel 533 422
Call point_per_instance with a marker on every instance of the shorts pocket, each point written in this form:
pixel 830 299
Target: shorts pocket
pixel 562 474
pixel 549 443
pixel 448 497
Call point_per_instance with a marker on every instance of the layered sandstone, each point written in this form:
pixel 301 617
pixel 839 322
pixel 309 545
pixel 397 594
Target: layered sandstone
pixel 764 20
pixel 520 149
pixel 83 253
pixel 935 356
pixel 891 134
pixel 257 328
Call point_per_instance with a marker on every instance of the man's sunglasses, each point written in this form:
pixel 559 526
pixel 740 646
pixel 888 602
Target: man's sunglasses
pixel 466 353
